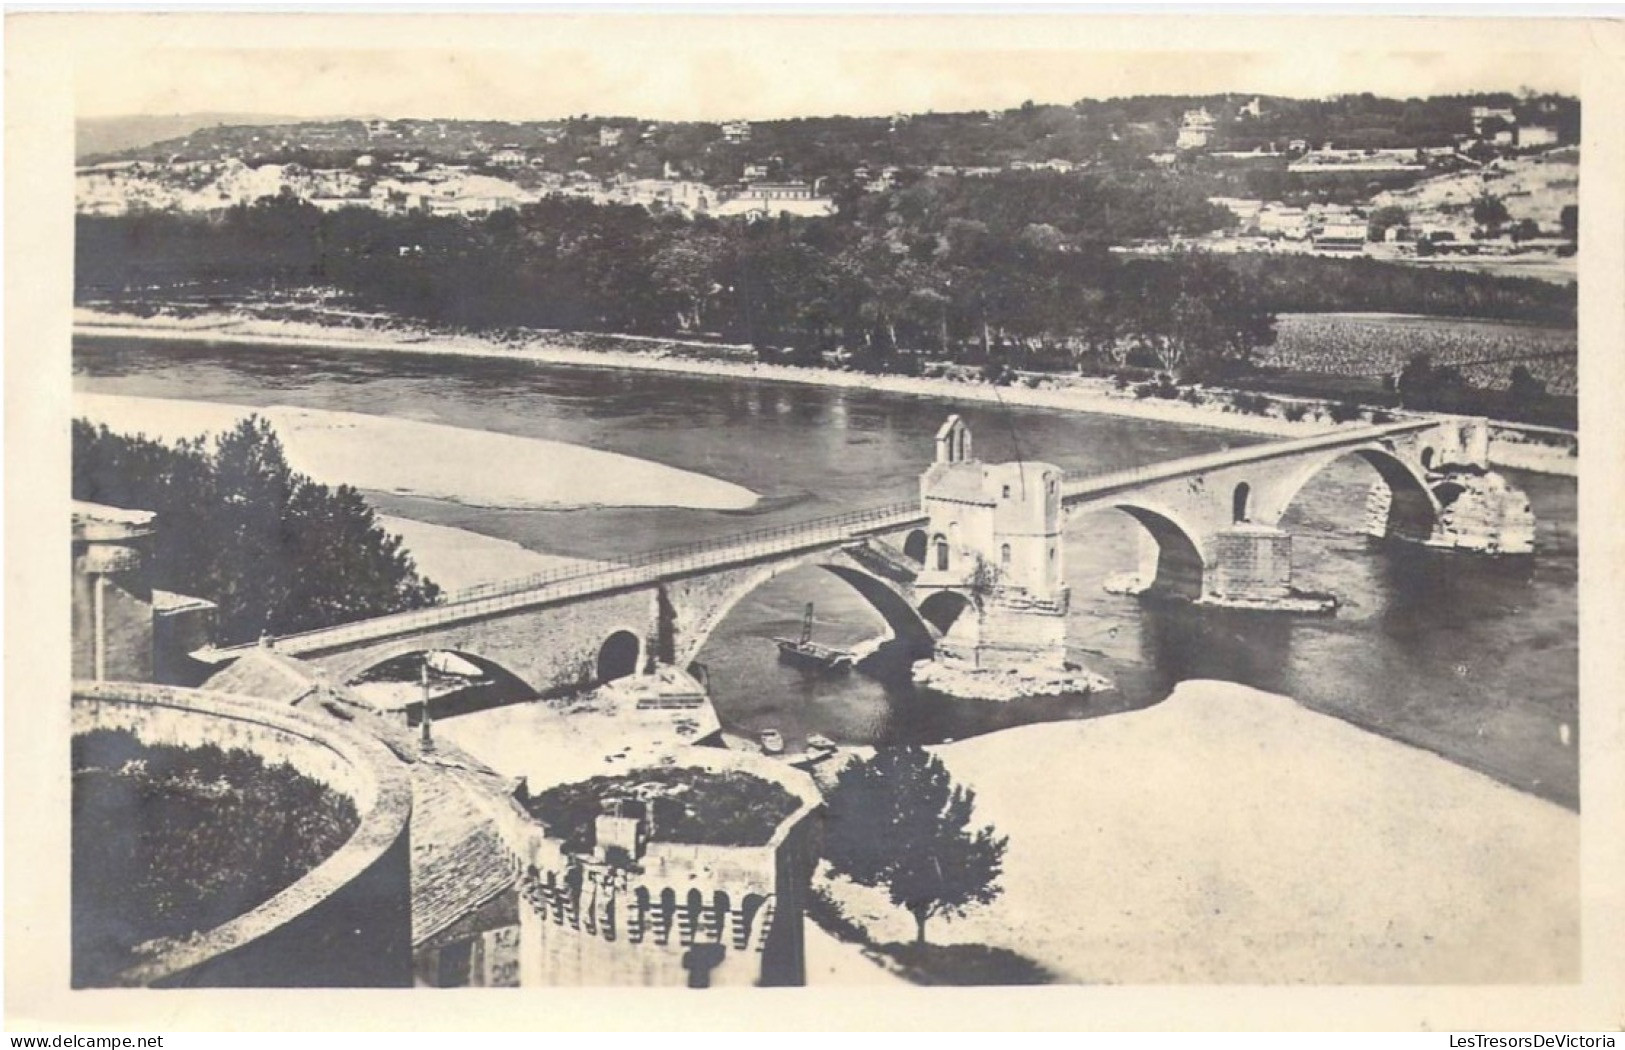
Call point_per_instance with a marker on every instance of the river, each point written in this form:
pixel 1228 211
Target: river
pixel 1473 658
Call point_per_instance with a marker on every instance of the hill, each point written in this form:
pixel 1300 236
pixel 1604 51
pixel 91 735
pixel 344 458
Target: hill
pixel 99 136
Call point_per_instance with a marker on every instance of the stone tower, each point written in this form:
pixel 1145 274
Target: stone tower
pixel 994 574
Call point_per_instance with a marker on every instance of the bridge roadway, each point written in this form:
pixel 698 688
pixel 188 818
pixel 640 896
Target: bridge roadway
pixel 568 585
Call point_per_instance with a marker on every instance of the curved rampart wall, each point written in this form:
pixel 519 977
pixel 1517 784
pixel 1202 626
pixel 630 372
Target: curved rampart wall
pixel 345 923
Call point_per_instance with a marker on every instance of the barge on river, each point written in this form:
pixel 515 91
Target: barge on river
pixel 804 652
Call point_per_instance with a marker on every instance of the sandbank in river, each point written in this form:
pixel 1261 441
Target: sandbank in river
pixel 406 457
pixel 1227 835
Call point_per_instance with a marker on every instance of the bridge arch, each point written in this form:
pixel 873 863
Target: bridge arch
pixel 401 663
pixel 902 619
pixel 944 608
pixel 618 656
pixel 915 545
pixel 1174 564
pixel 1413 506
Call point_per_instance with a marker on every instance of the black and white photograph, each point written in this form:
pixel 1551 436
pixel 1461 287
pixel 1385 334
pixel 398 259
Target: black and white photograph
pixel 626 505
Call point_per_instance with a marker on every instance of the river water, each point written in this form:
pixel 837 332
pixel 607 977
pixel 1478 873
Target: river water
pixel 1474 658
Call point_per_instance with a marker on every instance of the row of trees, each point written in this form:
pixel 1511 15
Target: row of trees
pixel 950 268
pixel 1009 271
pixel 1429 387
pixel 276 551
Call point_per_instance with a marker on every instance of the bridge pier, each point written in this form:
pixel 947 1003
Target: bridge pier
pixel 1479 512
pixel 1251 563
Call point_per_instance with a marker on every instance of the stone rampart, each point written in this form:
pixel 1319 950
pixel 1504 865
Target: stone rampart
pixel 682 913
pixel 347 922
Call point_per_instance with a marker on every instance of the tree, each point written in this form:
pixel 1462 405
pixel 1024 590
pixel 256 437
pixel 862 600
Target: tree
pixel 1424 385
pixel 1489 212
pixel 1524 230
pixel 1196 317
pixel 899 821
pixel 276 551
pixel 687 271
pixel 1383 218
pixel 1525 391
pixel 1569 219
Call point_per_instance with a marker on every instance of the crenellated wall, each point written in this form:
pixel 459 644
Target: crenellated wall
pixel 682 914
pixel 347 922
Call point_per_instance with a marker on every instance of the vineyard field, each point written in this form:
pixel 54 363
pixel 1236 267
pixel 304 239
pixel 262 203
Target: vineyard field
pixel 1378 345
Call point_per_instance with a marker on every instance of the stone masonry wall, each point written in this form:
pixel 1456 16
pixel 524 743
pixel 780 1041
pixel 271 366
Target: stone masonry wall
pixel 551 649
pixel 347 923
pixel 685 913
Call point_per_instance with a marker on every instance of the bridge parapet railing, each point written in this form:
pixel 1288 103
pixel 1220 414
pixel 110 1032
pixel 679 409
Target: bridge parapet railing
pixel 1078 484
pixel 576 581
pixel 790 533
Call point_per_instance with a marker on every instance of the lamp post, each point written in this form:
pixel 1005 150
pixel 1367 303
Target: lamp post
pixel 423 680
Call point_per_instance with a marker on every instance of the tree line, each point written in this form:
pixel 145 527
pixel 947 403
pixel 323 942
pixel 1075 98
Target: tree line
pixel 1015 270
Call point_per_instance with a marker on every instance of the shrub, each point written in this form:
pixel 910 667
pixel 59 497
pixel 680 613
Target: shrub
pixel 1251 404
pixel 1345 411
pixel 1162 387
pixel 1295 412
pixel 690 805
pixel 168 841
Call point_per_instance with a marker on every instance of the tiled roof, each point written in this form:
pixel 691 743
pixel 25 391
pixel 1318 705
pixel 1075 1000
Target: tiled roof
pixel 268 675
pixel 169 601
pixel 459 862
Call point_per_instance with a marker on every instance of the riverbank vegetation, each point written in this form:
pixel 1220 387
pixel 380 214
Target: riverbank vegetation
pixel 1004 273
pixel 277 552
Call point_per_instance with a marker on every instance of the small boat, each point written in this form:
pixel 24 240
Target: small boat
pixel 817 742
pixel 772 742
pixel 805 652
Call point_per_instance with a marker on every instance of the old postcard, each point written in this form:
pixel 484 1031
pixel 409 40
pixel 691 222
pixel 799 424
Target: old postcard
pixel 644 509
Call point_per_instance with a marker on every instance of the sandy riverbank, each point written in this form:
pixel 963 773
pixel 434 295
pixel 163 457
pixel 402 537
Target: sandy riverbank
pixel 1082 396
pixel 406 457
pixel 1228 835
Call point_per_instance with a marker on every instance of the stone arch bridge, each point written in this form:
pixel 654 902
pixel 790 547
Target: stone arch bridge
pixel 1211 526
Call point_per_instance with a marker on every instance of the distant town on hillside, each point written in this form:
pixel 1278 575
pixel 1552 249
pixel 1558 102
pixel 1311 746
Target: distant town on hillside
pixel 1354 173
